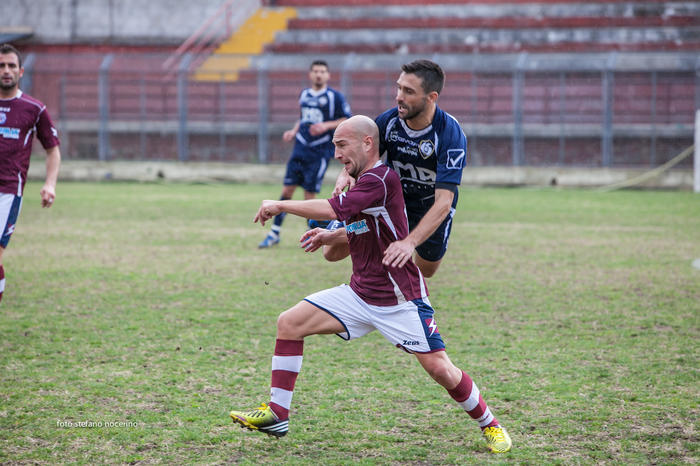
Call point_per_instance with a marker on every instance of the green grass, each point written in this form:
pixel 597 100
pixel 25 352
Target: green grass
pixel 576 312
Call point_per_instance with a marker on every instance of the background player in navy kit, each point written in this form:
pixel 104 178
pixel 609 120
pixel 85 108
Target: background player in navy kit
pixel 392 300
pixel 21 116
pixel 322 110
pixel 428 149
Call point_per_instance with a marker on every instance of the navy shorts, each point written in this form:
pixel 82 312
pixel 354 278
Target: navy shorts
pixel 307 166
pixel 434 248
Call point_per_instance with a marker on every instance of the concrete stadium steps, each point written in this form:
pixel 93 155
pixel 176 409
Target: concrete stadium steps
pixel 490 26
pixel 234 54
pixel 424 40
pixel 318 3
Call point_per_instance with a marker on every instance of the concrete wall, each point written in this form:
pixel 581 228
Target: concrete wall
pixel 566 177
pixel 119 21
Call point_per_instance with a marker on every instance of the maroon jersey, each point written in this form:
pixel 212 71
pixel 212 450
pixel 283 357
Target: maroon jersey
pixel 20 118
pixel 375 216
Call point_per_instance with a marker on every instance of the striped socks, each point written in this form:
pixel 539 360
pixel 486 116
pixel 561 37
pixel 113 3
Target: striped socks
pixel 467 395
pixel 286 364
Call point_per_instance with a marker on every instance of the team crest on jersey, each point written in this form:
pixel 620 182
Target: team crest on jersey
pixel 3 117
pixel 426 148
pixel 323 100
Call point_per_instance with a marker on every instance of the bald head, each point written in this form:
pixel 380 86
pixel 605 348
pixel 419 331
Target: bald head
pixel 357 144
pixel 362 126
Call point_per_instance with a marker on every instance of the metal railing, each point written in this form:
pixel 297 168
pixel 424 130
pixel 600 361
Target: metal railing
pixel 522 110
pixel 217 28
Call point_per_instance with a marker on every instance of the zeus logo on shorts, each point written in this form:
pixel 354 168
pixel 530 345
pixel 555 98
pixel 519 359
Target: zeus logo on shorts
pixel 357 227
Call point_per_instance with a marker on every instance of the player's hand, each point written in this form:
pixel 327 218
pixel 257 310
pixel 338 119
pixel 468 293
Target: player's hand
pixel 317 129
pixel 268 209
pixel 398 253
pixel 48 195
pixel 344 181
pixel 288 135
pixel 314 239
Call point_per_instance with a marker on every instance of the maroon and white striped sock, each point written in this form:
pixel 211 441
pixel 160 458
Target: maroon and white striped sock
pixel 467 395
pixel 286 364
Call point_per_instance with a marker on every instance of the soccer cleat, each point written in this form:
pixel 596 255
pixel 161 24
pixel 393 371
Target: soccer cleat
pixel 497 439
pixel 270 240
pixel 262 419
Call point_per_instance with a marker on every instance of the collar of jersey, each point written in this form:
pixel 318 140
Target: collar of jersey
pixel 317 93
pixel 413 133
pixel 17 96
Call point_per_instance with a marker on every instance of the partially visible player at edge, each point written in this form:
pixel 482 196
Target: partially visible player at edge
pixel 427 148
pixel 322 110
pixel 393 300
pixel 21 117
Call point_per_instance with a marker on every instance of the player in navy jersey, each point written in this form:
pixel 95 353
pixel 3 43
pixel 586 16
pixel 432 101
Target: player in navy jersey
pixel 322 109
pixel 428 149
pixel 21 118
pixel 392 300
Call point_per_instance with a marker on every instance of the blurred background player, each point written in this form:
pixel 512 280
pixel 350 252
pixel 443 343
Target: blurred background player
pixel 21 117
pixel 427 148
pixel 322 110
pixel 392 300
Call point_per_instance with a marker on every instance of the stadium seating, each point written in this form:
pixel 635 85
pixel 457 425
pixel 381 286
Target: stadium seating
pixel 387 26
pixel 478 43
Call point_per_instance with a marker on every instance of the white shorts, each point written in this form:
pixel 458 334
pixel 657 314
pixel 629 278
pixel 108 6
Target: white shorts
pixel 10 206
pixel 409 326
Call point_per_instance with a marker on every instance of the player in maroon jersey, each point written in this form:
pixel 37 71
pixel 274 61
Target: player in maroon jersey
pixel 392 300
pixel 21 118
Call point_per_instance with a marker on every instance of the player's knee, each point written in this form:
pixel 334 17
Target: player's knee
pixel 440 371
pixel 285 324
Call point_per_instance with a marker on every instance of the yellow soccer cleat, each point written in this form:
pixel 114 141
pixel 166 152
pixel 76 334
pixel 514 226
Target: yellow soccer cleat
pixel 262 419
pixel 497 439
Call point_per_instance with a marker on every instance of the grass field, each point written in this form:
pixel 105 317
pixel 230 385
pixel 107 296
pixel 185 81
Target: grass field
pixel 137 315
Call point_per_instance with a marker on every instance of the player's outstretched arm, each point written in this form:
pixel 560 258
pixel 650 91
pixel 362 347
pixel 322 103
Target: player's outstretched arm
pixel 318 209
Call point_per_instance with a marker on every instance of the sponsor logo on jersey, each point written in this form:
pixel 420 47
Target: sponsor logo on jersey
pixel 357 227
pixel 3 118
pixel 426 148
pixel 54 132
pixel 408 171
pixel 9 133
pixel 455 159
pixel 432 326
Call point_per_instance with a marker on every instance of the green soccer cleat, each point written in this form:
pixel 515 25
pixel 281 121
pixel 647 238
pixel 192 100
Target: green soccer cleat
pixel 262 419
pixel 497 439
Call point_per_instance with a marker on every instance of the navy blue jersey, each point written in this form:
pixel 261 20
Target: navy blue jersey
pixel 319 106
pixel 433 156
